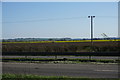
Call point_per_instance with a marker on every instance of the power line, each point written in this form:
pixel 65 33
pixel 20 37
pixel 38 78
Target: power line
pixel 107 16
pixel 49 19
pixel 57 19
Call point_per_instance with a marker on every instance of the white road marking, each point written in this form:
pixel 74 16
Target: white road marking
pixel 108 70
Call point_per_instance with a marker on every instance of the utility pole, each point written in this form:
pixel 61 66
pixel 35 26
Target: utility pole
pixel 91 22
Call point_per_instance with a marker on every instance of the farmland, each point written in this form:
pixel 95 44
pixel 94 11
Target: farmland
pixel 55 41
pixel 59 46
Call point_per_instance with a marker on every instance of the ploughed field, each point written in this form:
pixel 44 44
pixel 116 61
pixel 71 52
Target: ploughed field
pixel 102 46
pixel 63 47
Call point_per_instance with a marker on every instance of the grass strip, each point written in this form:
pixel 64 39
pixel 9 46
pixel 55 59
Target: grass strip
pixel 36 77
pixel 64 59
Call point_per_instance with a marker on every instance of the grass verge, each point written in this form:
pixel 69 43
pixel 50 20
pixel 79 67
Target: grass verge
pixel 49 60
pixel 36 77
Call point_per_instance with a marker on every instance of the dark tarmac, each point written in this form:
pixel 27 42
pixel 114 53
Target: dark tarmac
pixel 87 70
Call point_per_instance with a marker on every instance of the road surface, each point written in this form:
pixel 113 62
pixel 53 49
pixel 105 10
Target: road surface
pixel 72 70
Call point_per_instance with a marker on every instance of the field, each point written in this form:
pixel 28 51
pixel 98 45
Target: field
pixel 59 46
pixel 63 41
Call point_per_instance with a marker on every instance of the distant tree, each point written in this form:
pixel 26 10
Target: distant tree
pixel 50 39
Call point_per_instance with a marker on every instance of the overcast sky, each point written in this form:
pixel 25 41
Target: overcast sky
pixel 58 19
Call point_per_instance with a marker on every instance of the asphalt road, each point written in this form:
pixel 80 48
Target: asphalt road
pixel 73 70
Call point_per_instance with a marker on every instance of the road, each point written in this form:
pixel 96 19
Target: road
pixel 73 70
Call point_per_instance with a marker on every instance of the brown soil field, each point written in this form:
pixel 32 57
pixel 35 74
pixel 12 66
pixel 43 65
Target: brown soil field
pixel 57 47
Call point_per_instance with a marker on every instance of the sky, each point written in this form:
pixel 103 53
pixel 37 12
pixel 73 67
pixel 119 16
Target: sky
pixel 58 19
pixel 0 20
